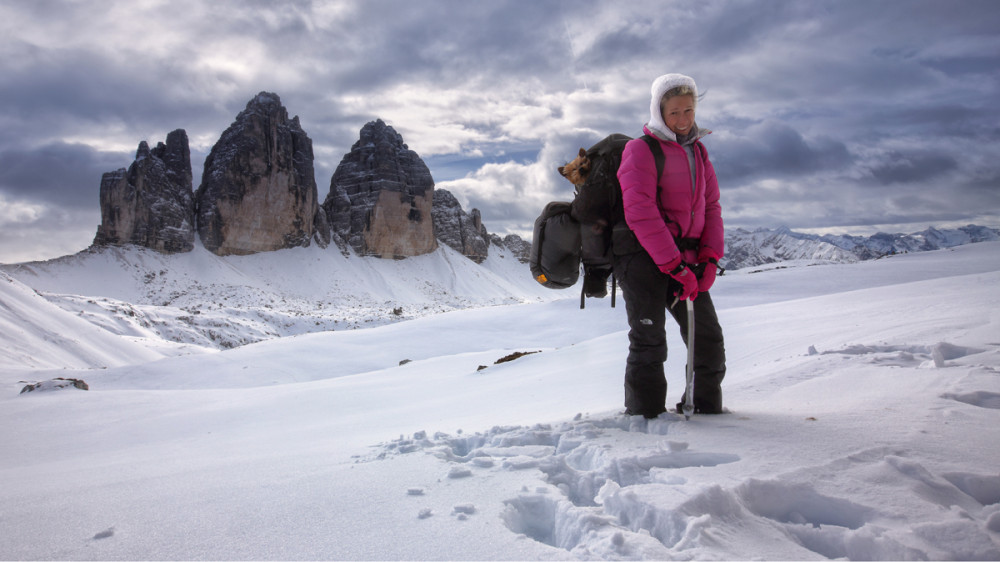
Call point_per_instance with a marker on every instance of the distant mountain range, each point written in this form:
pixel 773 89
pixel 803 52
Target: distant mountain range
pixel 746 248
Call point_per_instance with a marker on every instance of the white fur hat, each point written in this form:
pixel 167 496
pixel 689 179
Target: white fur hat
pixel 660 86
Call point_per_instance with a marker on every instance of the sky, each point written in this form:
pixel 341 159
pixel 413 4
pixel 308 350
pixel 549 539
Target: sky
pixel 827 116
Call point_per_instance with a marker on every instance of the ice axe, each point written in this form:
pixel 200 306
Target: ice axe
pixel 688 407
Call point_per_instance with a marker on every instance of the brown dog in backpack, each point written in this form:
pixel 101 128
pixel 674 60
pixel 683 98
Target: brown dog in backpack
pixel 577 170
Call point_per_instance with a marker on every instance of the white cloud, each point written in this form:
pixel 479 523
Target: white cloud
pixel 13 213
pixel 31 231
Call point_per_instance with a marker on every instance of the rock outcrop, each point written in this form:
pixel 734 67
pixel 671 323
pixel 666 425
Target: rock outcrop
pixel 461 231
pixel 258 191
pixel 381 197
pixel 258 194
pixel 57 383
pixel 519 247
pixel 150 204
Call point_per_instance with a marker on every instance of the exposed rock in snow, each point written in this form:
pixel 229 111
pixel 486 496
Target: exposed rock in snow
pixel 518 246
pixel 58 383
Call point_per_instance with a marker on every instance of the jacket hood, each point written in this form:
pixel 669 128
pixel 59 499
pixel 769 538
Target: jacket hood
pixel 660 86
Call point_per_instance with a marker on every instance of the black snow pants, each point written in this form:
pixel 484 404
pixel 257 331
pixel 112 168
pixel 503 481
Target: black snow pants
pixel 648 294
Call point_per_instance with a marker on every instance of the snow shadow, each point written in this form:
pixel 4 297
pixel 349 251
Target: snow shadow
pixel 907 355
pixel 980 399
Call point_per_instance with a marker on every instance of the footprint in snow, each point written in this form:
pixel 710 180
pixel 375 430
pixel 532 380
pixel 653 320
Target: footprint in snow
pixel 578 464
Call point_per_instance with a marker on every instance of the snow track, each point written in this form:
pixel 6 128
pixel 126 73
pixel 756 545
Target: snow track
pixel 617 487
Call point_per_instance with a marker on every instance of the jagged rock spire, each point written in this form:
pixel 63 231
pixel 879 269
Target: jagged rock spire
pixel 150 204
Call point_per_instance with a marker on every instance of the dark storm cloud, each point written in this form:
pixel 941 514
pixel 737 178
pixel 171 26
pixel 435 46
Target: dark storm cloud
pixel 77 93
pixel 775 150
pixel 897 167
pixel 449 43
pixel 67 175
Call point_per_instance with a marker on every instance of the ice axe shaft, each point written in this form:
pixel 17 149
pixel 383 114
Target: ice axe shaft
pixel 689 381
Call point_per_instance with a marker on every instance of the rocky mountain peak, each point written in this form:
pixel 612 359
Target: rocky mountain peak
pixel 150 204
pixel 381 196
pixel 377 132
pixel 258 194
pixel 266 99
pixel 258 190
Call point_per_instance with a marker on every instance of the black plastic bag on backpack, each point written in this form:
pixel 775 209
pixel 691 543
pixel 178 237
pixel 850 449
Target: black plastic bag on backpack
pixel 556 247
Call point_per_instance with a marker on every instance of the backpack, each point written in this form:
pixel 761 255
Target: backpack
pixel 555 247
pixel 591 229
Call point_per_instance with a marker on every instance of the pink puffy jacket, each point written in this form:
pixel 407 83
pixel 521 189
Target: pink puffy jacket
pixel 683 211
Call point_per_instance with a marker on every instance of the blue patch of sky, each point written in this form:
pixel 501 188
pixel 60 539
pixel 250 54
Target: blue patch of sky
pixel 447 167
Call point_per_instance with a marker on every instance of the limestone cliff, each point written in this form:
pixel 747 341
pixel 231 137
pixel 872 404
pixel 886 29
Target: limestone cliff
pixel 258 190
pixel 461 231
pixel 150 204
pixel 381 197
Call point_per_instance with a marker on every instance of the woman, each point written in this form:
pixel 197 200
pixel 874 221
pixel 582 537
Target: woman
pixel 678 223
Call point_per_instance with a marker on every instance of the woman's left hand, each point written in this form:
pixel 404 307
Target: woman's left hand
pixel 707 277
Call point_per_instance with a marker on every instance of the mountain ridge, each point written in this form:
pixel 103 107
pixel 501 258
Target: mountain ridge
pixel 752 248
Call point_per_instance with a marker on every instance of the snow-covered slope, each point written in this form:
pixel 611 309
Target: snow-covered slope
pixel 223 302
pixel 865 404
pixel 37 334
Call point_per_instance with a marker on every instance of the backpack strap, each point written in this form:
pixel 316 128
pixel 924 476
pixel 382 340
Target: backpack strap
pixel 659 158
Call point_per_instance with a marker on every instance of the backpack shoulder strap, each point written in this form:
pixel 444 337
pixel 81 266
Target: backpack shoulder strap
pixel 658 157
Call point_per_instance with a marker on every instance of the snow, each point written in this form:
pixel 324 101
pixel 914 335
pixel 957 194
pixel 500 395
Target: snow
pixel 864 398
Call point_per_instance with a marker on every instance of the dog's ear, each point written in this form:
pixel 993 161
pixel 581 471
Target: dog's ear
pixel 560 169
pixel 583 152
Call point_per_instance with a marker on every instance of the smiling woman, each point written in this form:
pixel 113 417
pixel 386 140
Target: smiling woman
pixel 677 108
pixel 673 212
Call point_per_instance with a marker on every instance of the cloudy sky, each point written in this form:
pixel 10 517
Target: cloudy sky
pixel 841 116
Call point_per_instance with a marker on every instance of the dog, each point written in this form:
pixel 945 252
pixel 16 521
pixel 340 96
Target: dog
pixel 577 170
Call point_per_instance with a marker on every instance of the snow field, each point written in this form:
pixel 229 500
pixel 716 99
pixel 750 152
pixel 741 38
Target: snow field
pixel 863 426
